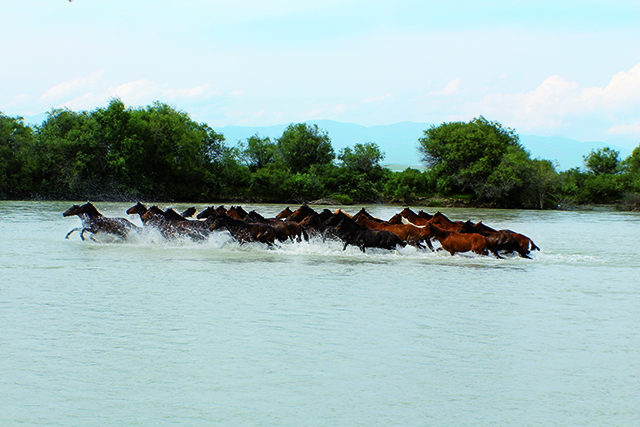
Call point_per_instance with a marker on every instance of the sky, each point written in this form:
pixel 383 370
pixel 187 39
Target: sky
pixel 546 67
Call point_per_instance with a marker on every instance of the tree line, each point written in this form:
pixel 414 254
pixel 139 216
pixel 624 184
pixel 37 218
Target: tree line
pixel 159 153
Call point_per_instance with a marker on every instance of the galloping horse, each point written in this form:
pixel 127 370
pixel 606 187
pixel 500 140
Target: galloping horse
pixel 351 233
pixel 284 229
pixel 525 242
pixel 245 232
pixel 453 242
pixel 94 222
pixel 500 241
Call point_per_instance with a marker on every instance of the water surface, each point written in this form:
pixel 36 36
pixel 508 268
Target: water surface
pixel 152 333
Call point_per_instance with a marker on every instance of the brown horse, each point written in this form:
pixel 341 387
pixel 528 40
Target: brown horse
pixel 411 234
pixel 284 229
pixel 245 232
pixel 525 242
pixel 454 242
pixel 499 241
pixel 94 222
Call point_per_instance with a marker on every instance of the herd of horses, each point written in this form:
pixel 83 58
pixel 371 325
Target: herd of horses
pixel 363 230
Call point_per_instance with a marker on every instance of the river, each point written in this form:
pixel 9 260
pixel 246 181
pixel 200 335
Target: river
pixel 154 333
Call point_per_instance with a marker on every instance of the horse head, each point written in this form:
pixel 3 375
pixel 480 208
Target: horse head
pixel 73 210
pixel 301 213
pixel 189 212
pixel 139 209
pixel 285 213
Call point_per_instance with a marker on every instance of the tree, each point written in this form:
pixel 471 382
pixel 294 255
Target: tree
pixel 302 145
pixel 362 158
pixel 602 161
pixel 15 139
pixel 461 156
pixel 258 152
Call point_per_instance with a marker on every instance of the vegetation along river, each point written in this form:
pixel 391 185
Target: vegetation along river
pixel 150 333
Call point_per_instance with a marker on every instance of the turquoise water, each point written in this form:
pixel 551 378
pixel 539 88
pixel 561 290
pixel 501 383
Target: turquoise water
pixel 149 333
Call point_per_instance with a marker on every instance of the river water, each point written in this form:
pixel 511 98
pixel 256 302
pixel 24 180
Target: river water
pixel 150 333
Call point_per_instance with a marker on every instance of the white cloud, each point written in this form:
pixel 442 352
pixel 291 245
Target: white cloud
pixel 380 98
pixel 451 87
pixel 557 102
pixel 69 87
pixel 632 129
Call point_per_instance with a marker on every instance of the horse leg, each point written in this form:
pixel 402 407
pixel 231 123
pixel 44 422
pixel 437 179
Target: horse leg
pixel 69 233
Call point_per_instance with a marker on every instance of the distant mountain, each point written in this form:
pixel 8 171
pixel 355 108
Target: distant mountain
pixel 399 142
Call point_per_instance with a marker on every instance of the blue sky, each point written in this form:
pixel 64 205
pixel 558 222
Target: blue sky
pixel 551 68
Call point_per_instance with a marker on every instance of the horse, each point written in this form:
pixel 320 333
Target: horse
pixel 351 233
pixel 313 224
pixel 245 232
pixel 453 242
pixel 284 229
pixel 525 242
pixel 409 233
pixel 94 222
pixel 499 241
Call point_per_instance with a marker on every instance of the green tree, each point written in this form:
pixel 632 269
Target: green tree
pixel 461 156
pixel 258 152
pixel 602 161
pixel 302 145
pixel 362 158
pixel 15 140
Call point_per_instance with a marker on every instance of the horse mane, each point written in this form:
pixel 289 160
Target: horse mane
pixel 90 210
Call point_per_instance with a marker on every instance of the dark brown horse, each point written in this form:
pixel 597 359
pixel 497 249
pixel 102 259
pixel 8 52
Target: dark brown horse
pixel 351 233
pixel 284 229
pixel 499 241
pixel 454 242
pixel 525 242
pixel 94 222
pixel 245 232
